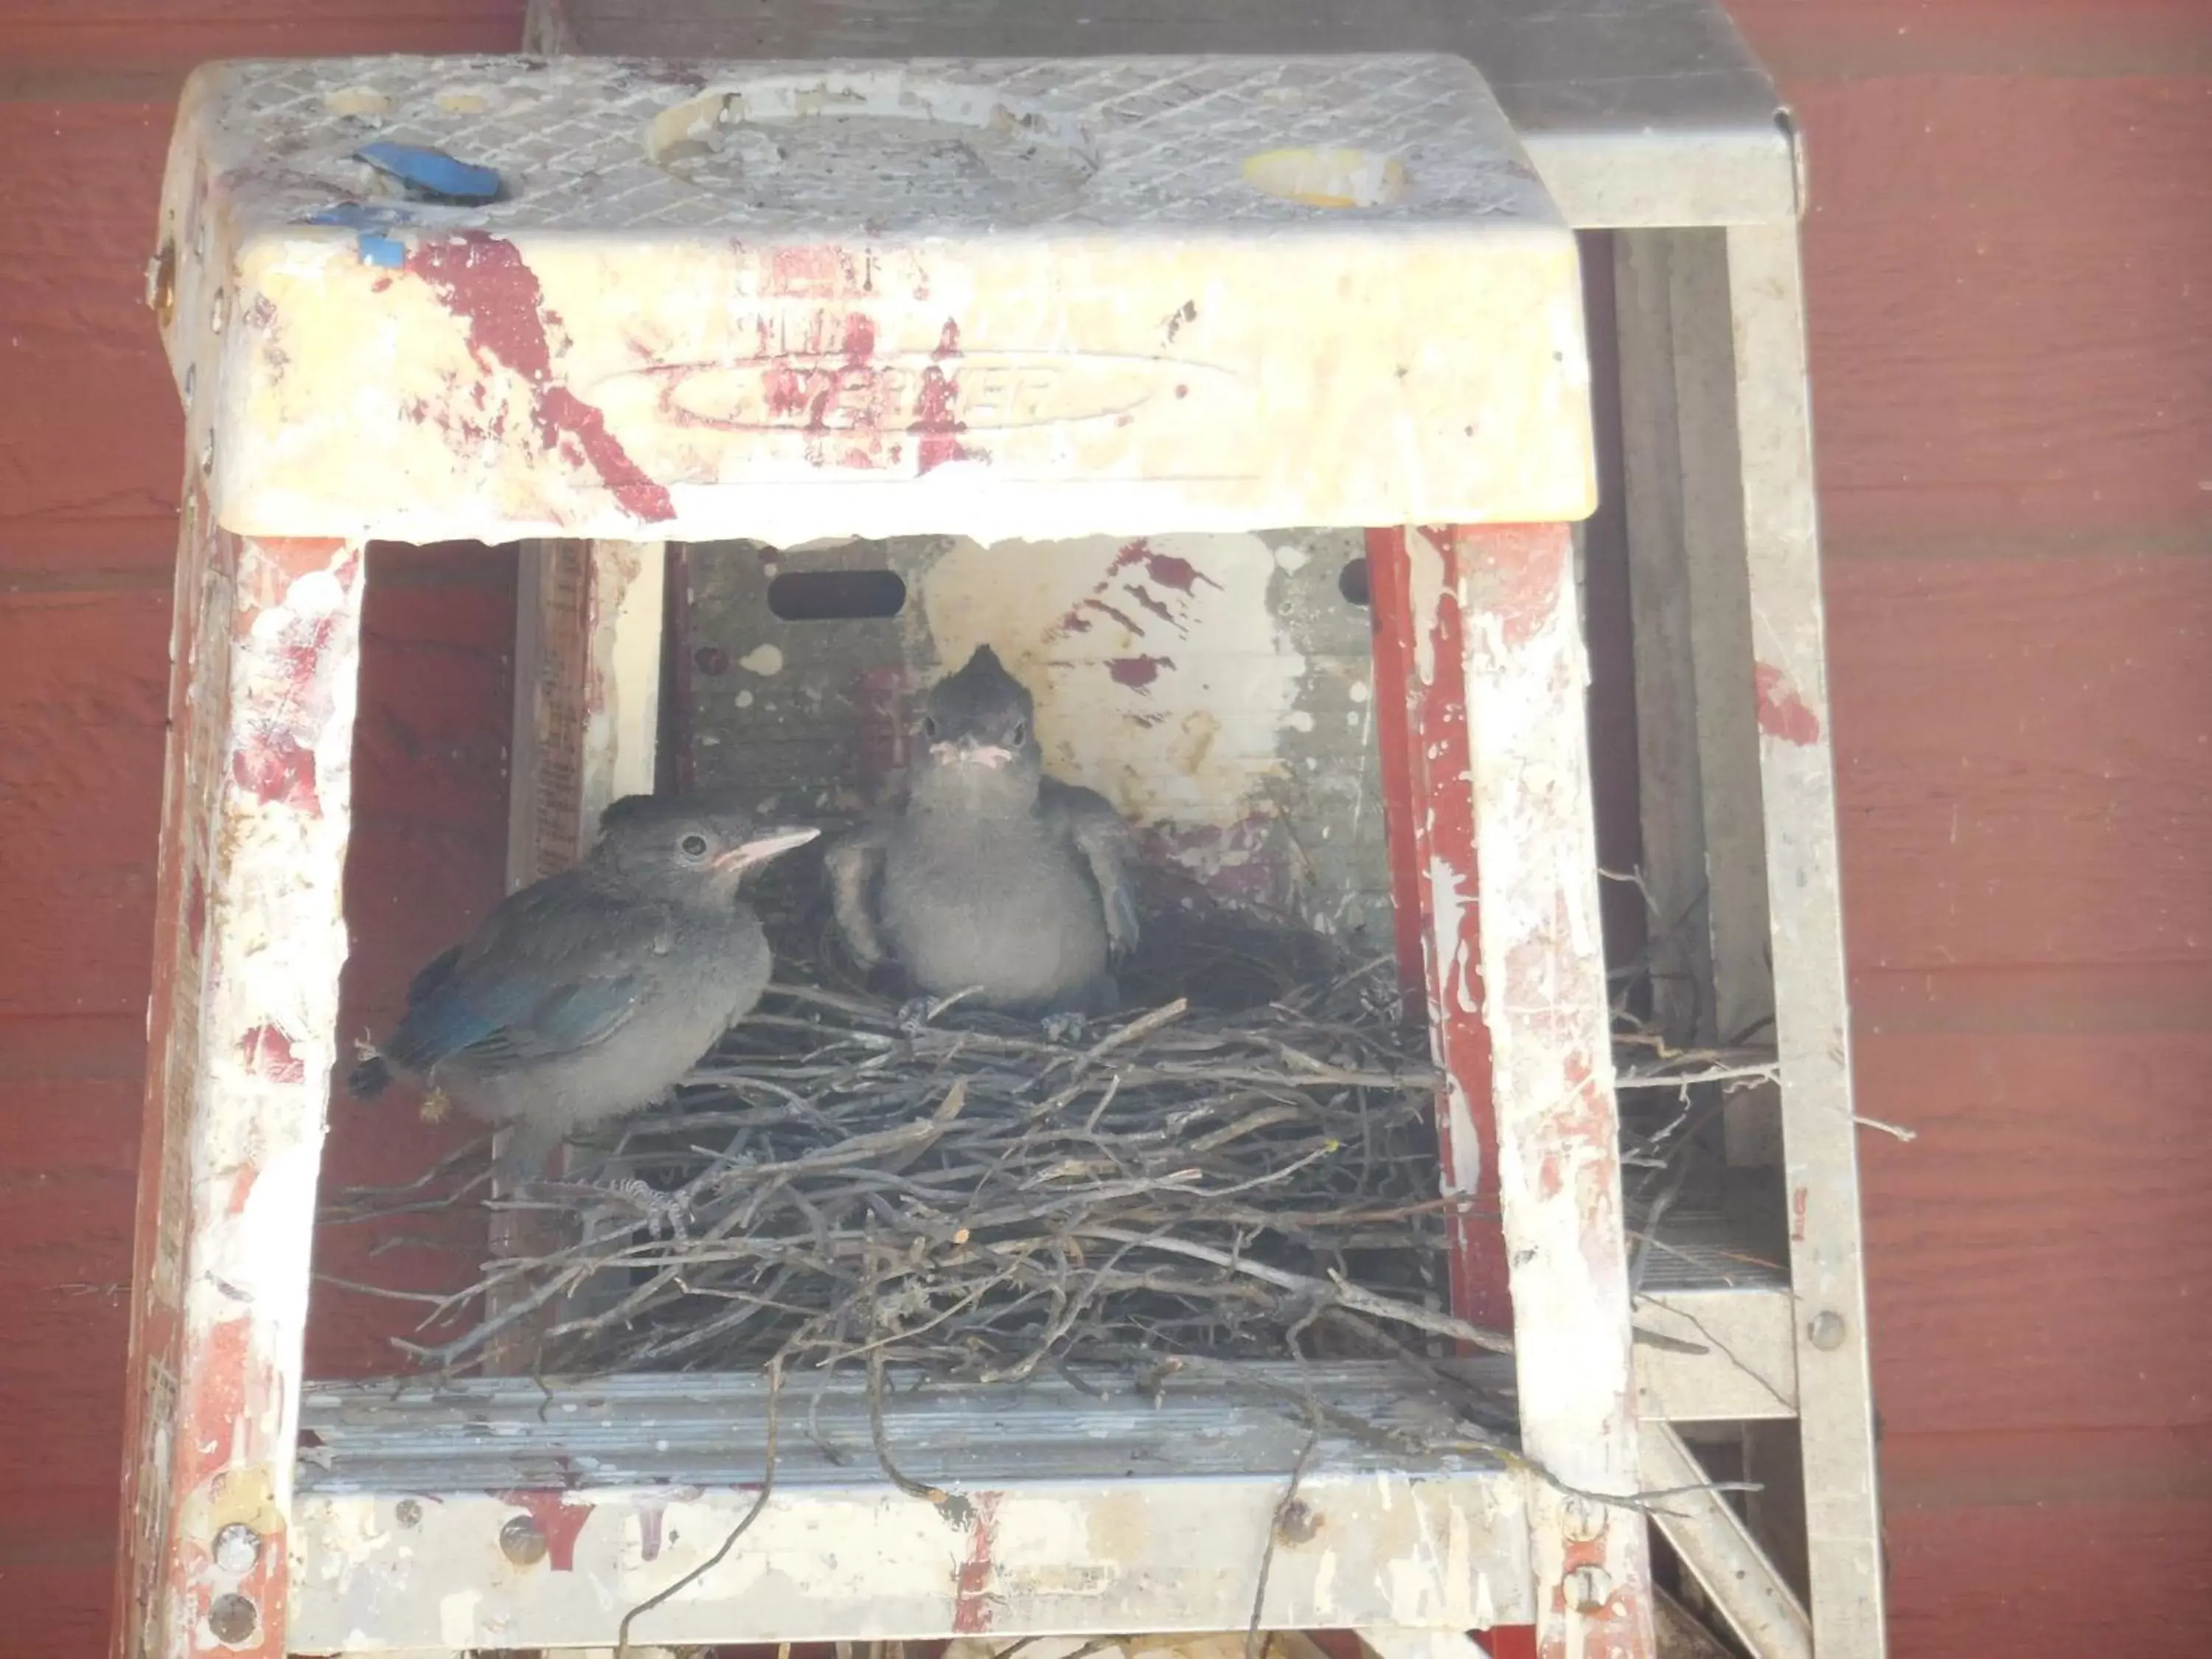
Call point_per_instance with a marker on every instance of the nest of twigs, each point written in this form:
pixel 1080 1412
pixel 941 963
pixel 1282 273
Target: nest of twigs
pixel 850 1178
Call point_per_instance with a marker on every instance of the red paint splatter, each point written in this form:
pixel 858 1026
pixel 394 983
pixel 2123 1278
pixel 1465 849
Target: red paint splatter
pixel 559 1522
pixel 1144 596
pixel 268 1052
pixel 1138 672
pixel 860 339
pixel 809 272
pixel 936 422
pixel 971 1596
pixel 241 1190
pixel 485 282
pixel 1120 617
pixel 1180 574
pixel 1782 712
pixel 278 769
pixel 196 913
pixel 1801 1200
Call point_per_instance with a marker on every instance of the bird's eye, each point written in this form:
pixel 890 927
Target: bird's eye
pixel 929 726
pixel 1021 732
pixel 693 846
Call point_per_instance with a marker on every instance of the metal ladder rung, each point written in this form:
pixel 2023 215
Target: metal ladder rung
pixel 505 1514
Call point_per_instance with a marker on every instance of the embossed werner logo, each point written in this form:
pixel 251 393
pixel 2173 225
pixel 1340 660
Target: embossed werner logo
pixel 980 392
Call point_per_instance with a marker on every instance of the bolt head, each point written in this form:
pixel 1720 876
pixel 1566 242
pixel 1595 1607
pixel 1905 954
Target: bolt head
pixel 237 1548
pixel 1296 1523
pixel 1827 1331
pixel 408 1512
pixel 234 1619
pixel 1583 1519
pixel 522 1541
pixel 1589 1590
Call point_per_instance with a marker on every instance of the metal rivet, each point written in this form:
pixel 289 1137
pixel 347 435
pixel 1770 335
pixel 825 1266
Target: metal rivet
pixel 1583 1519
pixel 234 1619
pixel 522 1542
pixel 237 1548
pixel 1589 1589
pixel 1296 1523
pixel 409 1512
pixel 1827 1332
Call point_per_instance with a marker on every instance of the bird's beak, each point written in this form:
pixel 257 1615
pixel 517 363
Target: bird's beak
pixel 768 844
pixel 968 752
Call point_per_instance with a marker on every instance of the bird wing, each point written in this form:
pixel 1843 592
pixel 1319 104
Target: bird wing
pixel 555 969
pixel 1101 836
pixel 852 863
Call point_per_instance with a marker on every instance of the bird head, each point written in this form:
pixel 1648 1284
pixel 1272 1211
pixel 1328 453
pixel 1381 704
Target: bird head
pixel 978 733
pixel 689 848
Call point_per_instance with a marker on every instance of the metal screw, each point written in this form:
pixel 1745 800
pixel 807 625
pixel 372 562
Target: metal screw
pixel 1584 1520
pixel 1296 1523
pixel 1826 1331
pixel 522 1542
pixel 237 1548
pixel 409 1512
pixel 234 1619
pixel 1589 1589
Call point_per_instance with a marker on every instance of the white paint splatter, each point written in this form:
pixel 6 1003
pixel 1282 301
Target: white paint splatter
pixel 763 660
pixel 744 699
pixel 1425 569
pixel 1298 721
pixel 1356 691
pixel 1291 558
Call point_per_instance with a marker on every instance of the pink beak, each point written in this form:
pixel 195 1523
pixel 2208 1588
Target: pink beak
pixel 769 843
pixel 968 752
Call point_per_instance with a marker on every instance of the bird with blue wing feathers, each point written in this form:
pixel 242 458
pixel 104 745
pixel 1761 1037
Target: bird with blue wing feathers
pixel 995 878
pixel 587 995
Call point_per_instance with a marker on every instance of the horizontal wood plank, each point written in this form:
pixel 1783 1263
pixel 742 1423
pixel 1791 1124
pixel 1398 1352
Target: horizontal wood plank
pixel 2038 1256
pixel 2006 284
pixel 2025 760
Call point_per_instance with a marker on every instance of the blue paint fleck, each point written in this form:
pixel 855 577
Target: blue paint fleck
pixel 431 175
pixel 382 250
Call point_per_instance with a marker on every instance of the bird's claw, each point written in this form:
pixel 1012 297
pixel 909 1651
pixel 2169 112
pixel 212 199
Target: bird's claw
pixel 1064 1027
pixel 914 1016
pixel 435 1106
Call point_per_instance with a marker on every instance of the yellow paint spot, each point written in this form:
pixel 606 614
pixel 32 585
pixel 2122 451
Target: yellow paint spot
pixel 1328 178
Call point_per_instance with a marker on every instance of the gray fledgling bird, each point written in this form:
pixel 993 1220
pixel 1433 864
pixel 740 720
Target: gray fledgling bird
pixel 994 878
pixel 588 994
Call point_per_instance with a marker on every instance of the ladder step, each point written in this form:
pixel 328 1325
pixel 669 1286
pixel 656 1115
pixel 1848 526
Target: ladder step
pixel 503 1514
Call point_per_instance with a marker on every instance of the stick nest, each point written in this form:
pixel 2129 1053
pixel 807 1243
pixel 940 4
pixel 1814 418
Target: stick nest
pixel 979 1197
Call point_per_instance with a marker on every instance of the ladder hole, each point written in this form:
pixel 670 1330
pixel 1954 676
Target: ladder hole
pixel 1352 582
pixel 836 595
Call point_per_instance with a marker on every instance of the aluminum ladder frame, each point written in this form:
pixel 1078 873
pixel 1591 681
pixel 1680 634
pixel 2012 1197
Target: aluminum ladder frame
pixel 1512 593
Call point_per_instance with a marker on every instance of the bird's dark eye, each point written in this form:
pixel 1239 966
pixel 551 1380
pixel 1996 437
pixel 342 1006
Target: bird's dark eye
pixel 929 726
pixel 693 846
pixel 1021 732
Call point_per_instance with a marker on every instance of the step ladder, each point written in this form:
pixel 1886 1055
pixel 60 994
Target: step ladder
pixel 442 373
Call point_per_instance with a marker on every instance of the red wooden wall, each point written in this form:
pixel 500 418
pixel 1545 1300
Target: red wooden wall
pixel 2011 271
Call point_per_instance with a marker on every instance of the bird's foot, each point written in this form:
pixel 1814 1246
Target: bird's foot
pixel 435 1106
pixel 913 1015
pixel 364 1048
pixel 1068 1028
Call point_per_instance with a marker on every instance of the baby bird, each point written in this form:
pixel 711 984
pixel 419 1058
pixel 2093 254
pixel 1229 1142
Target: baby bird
pixel 994 879
pixel 588 994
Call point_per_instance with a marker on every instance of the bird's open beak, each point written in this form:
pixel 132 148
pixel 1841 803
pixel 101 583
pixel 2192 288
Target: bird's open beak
pixel 768 844
pixel 968 752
